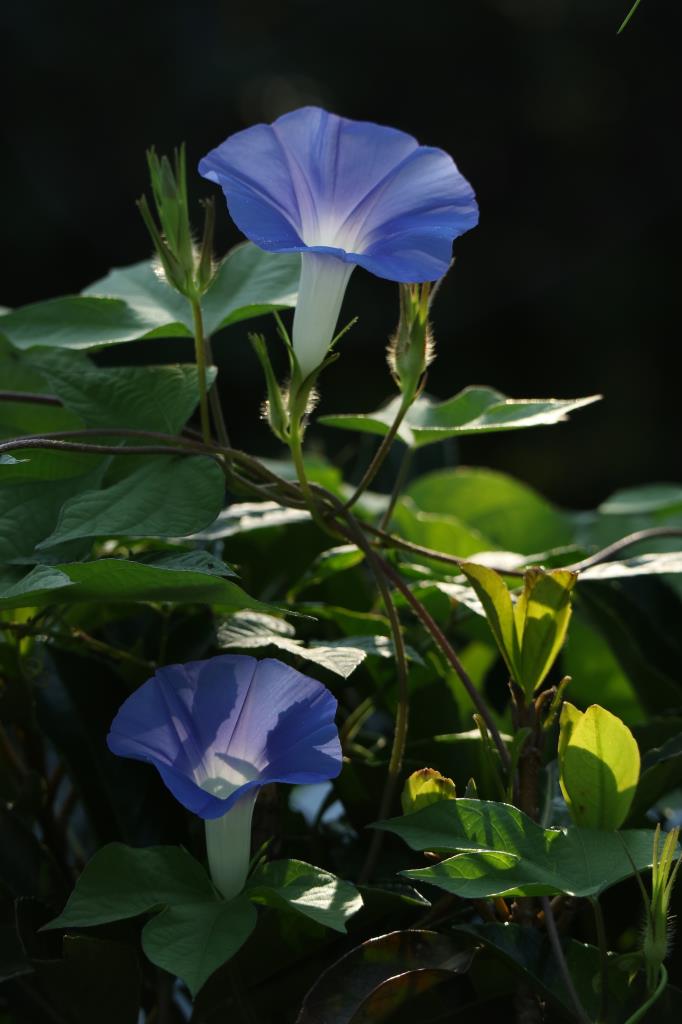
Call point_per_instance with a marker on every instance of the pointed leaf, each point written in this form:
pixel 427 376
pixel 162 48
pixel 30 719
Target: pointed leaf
pixel 169 496
pixel 542 614
pixel 109 580
pixel 193 939
pixel 502 852
pixel 248 282
pixel 137 397
pixel 493 594
pixel 475 410
pixel 120 882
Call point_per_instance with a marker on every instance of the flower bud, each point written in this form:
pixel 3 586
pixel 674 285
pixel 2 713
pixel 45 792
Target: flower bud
pixel 425 787
pixel 411 348
pixel 187 270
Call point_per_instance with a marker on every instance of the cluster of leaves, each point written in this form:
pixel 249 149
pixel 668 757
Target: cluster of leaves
pixel 127 542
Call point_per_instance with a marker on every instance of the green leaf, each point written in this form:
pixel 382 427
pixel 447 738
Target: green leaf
pixel 542 614
pixel 632 501
pixel 121 881
pixel 530 633
pixel 74 322
pixel 327 564
pixel 475 410
pixel 28 512
pixel 599 766
pixel 508 513
pixel 494 595
pixel 250 631
pixel 136 397
pixel 502 852
pixel 654 564
pixel 374 979
pixel 194 933
pixel 444 533
pixel 133 302
pixel 193 939
pixel 245 517
pixel 249 282
pixel 169 496
pixel 317 894
pixel 110 580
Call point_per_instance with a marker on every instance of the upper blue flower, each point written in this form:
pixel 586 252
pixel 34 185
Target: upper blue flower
pixel 366 194
pixel 341 193
pixel 220 729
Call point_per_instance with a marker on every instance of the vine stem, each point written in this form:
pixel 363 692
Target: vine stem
pixel 213 395
pixel 557 949
pixel 380 454
pixel 200 356
pixel 395 763
pixel 448 650
pixel 401 476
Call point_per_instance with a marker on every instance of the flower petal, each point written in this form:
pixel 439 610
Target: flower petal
pixel 212 727
pixel 179 718
pixel 369 194
pixel 287 725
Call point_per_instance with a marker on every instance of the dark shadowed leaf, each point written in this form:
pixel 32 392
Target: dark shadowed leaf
pixel 528 951
pixel 374 979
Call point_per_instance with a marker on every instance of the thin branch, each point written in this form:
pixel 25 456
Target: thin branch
pixel 379 456
pixel 94 449
pixel 398 484
pixel 606 554
pixel 29 396
pixel 448 650
pixel 555 943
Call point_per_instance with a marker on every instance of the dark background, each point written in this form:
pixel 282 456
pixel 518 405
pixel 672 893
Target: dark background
pixel 569 134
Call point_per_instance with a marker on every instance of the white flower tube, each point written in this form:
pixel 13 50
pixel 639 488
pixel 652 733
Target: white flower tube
pixel 320 295
pixel 228 846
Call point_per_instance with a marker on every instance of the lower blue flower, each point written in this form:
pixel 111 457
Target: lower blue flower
pixel 218 730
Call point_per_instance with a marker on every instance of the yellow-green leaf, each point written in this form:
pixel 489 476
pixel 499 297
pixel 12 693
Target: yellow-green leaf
pixel 599 767
pixel 493 594
pixel 541 615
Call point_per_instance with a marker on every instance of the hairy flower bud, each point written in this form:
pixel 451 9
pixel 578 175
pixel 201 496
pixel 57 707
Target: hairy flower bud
pixel 410 350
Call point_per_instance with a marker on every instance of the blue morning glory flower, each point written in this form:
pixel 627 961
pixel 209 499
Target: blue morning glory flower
pixel 341 193
pixel 217 731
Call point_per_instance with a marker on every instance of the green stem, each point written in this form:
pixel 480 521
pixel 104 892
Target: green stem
pixel 380 454
pixel 644 1009
pixel 200 356
pixel 401 476
pixel 602 943
pixel 214 400
pixel 448 650
pixel 628 16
